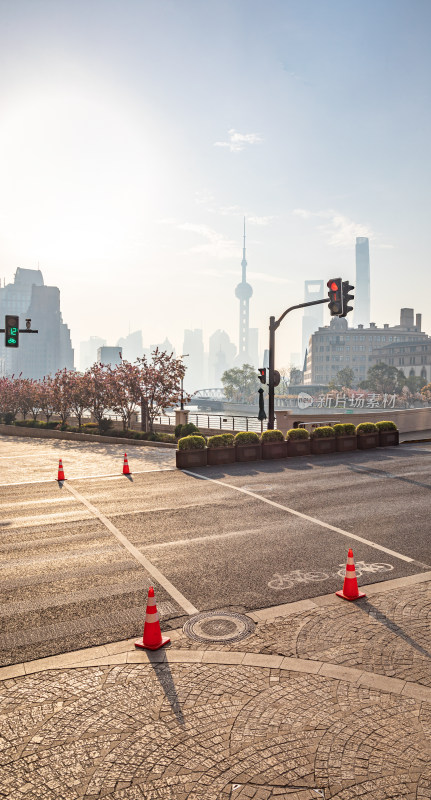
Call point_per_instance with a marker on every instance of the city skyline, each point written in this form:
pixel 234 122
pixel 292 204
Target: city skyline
pixel 136 138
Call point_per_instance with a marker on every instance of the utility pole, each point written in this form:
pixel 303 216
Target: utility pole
pixel 273 325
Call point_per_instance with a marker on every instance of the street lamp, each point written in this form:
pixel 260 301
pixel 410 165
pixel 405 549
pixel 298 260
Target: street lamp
pixel 184 355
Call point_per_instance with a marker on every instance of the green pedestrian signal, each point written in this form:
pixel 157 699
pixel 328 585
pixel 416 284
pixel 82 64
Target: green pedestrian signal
pixel 11 331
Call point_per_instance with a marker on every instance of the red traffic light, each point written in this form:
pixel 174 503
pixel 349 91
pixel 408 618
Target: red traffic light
pixel 334 287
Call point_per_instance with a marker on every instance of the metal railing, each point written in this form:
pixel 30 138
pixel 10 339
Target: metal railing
pixel 216 422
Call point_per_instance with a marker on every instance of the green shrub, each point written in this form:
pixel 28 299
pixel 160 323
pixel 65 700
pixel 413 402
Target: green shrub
pixel 188 429
pixel 166 437
pixel 246 437
pixel 222 440
pixel 297 433
pixel 339 429
pixel 366 427
pixel 105 425
pixel 90 427
pixel 271 436
pixel 324 432
pixel 349 429
pixel 386 425
pixel 191 443
pixel 8 417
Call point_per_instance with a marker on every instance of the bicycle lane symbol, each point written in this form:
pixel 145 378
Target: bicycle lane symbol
pixel 287 580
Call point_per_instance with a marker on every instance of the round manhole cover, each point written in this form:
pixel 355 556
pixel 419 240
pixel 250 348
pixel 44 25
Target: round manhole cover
pixel 218 626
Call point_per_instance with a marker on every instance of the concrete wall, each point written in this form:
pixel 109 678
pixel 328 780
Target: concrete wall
pixel 40 433
pixel 407 420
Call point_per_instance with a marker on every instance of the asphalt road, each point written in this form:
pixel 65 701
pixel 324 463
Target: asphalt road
pixel 76 560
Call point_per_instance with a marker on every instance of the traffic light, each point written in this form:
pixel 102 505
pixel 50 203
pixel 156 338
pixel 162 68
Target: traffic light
pixel 335 295
pixel 346 288
pixel 262 374
pixel 11 331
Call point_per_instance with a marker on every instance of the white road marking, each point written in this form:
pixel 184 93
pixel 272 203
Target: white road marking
pixel 151 569
pixel 303 516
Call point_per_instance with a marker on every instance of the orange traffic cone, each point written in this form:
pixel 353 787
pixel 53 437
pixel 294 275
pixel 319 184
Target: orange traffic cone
pixel 152 638
pixel 60 471
pixel 126 470
pixel 350 588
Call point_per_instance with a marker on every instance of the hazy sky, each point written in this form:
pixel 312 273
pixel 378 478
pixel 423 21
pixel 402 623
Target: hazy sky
pixel 136 134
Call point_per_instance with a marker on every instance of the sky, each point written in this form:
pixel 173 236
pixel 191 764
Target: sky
pixel 136 135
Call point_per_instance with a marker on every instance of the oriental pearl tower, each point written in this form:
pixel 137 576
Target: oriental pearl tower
pixel 243 292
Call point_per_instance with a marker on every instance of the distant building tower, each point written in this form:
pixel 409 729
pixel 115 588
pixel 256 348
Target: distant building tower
pixel 109 355
pixel 51 349
pixel 193 345
pixel 313 316
pixel 88 352
pixel 221 357
pixel 361 302
pixel 243 292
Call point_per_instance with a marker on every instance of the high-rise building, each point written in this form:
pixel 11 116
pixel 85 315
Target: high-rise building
pixel 164 347
pixel 109 355
pixel 221 357
pixel 193 346
pixel 50 349
pixel 132 346
pixel 361 313
pixel 243 292
pixel 88 352
pixel 313 315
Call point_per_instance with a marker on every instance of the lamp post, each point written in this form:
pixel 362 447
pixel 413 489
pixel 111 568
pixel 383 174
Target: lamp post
pixel 184 355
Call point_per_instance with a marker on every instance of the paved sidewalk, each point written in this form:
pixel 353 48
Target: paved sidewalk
pixel 324 699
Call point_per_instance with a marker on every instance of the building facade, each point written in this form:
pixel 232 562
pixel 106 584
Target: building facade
pixel 361 313
pixel 109 355
pixel 41 353
pixel 337 346
pixel 313 315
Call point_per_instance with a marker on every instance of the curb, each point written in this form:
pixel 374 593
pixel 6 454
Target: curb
pixel 123 652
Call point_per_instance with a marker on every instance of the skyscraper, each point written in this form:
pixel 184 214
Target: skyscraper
pixel 47 351
pixel 313 316
pixel 193 345
pixel 361 312
pixel 243 292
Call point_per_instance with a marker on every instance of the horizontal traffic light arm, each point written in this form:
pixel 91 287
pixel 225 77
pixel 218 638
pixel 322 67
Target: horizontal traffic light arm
pixel 301 305
pixel 22 330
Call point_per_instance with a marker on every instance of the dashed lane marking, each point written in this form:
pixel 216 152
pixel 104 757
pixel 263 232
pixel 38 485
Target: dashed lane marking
pixel 303 516
pixel 150 568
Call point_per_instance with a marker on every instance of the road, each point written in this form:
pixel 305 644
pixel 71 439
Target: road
pixel 77 558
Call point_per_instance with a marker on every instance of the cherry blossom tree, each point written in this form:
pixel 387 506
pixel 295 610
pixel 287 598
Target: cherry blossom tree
pixel 80 395
pixel 46 397
pixel 28 397
pixel 9 398
pixel 160 380
pixel 100 391
pixel 125 388
pixel 62 393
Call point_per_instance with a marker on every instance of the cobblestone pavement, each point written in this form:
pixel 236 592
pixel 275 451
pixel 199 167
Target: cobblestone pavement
pixel 324 699
pixel 37 459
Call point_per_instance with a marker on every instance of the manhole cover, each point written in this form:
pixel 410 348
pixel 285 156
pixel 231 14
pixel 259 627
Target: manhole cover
pixel 218 626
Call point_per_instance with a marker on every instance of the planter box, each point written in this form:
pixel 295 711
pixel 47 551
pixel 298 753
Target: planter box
pixel 344 444
pixel 298 447
pixel 248 452
pixel 367 440
pixel 322 446
pixel 387 438
pixel 185 459
pixel 220 455
pixel 274 449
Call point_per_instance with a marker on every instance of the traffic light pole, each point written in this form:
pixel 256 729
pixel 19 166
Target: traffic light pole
pixel 273 325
